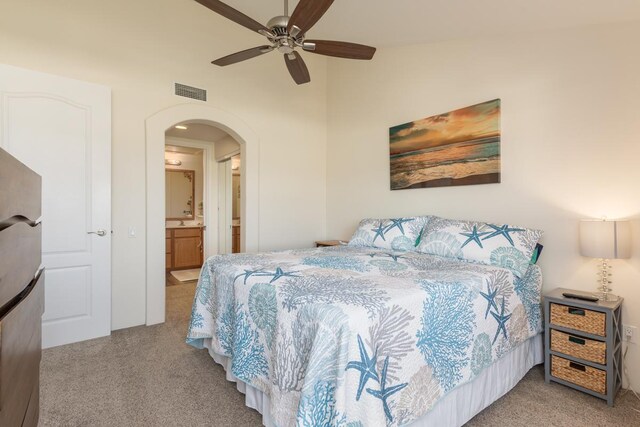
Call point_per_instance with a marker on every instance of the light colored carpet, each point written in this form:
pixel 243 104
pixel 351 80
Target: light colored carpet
pixel 186 275
pixel 148 376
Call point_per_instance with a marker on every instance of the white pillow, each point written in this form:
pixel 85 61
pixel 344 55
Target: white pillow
pixel 501 245
pixel 400 234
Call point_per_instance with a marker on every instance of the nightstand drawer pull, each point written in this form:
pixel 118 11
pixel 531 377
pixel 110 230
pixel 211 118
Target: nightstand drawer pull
pixel 576 311
pixel 577 366
pixel 576 340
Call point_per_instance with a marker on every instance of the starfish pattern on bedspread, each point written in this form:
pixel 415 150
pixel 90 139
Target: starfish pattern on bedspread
pixel 366 366
pixel 248 273
pixel 278 274
pixel 502 322
pixel 386 392
pixel 385 255
pixel 490 296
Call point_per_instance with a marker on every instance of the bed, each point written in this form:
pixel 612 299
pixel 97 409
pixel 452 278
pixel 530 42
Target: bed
pixel 368 336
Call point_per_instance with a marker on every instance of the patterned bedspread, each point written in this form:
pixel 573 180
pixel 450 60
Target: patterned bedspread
pixel 352 336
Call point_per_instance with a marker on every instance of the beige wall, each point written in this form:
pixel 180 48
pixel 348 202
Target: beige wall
pixel 570 140
pixel 139 48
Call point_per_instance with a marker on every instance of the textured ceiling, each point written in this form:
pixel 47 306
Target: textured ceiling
pixel 401 22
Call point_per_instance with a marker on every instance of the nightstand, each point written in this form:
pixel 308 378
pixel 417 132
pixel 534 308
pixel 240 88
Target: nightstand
pixel 583 344
pixel 325 243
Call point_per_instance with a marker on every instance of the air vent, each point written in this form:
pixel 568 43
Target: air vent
pixel 190 92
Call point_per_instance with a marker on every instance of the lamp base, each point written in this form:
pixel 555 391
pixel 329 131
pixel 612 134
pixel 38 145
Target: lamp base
pixel 603 279
pixel 607 297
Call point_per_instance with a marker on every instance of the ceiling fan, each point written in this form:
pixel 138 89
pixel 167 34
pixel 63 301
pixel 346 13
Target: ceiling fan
pixel 286 33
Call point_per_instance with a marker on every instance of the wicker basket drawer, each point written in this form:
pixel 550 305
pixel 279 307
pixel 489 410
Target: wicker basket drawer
pixel 580 319
pixel 582 375
pixel 582 348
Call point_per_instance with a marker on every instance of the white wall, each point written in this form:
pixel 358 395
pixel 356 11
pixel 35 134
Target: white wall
pixel 139 48
pixel 570 140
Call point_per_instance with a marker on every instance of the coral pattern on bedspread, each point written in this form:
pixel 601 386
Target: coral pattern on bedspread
pixel 352 336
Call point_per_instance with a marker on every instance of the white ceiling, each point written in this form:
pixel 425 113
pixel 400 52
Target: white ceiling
pixel 383 23
pixel 197 131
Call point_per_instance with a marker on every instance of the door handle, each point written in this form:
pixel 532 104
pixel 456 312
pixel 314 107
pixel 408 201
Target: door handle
pixel 100 232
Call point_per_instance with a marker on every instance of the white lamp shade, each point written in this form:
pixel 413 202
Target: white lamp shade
pixel 605 239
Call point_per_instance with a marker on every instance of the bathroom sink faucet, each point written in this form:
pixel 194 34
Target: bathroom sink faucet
pixel 181 222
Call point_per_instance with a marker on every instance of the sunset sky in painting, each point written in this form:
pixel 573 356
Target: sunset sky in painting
pixel 466 124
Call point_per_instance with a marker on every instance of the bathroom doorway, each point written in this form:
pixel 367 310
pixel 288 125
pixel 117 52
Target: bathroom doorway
pixel 194 206
pixel 157 128
pixel 184 213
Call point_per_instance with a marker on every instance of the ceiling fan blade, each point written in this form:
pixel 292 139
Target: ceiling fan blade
pixel 297 68
pixel 232 14
pixel 242 55
pixel 307 13
pixel 339 49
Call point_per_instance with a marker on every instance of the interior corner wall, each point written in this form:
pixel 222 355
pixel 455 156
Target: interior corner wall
pixel 139 49
pixel 570 140
pixel 225 147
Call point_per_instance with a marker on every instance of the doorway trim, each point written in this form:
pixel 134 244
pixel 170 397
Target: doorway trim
pixel 156 125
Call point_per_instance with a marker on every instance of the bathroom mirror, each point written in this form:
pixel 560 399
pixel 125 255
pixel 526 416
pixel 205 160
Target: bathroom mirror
pixel 179 193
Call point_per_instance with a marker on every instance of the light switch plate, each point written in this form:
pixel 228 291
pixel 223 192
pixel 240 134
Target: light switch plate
pixel 630 333
pixel 132 232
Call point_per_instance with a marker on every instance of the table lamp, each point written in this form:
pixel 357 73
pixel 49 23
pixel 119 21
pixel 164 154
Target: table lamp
pixel 605 239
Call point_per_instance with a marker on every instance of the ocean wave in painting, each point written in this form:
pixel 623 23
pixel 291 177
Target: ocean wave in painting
pixel 459 161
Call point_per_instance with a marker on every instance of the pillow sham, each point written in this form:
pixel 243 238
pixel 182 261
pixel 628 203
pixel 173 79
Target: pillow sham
pixel 400 234
pixel 501 245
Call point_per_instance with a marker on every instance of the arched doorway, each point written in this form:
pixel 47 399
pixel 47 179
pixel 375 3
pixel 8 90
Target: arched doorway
pixel 156 125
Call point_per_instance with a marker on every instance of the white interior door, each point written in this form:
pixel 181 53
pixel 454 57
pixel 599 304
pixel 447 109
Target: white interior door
pixel 61 128
pixel 225 206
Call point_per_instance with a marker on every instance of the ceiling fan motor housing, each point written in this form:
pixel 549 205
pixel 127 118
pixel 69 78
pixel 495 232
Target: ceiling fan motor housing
pixel 283 41
pixel 278 25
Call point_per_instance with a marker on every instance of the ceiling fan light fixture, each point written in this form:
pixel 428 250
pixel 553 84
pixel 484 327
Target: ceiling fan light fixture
pixel 285 48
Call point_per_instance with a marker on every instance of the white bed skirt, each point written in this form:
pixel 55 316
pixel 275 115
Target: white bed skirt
pixel 454 409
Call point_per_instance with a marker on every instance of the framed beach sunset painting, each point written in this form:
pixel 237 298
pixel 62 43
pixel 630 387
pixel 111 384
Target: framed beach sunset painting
pixel 461 147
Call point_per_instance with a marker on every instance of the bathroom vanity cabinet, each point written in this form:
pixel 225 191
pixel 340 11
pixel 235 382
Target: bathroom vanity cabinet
pixel 184 249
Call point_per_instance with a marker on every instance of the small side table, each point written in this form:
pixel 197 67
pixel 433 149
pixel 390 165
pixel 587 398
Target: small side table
pixel 325 243
pixel 583 344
